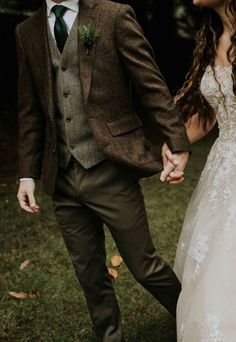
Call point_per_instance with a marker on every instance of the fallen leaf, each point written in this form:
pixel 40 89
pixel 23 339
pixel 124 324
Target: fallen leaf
pixel 22 295
pixel 24 264
pixel 14 252
pixel 113 273
pixel 116 261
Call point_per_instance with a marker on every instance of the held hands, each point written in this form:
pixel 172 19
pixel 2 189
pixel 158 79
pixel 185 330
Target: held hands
pixel 26 196
pixel 173 173
pixel 174 165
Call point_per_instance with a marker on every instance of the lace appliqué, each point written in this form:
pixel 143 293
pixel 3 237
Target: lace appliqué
pixel 182 246
pixel 198 252
pixel 221 97
pixel 227 226
pixel 182 330
pixel 212 331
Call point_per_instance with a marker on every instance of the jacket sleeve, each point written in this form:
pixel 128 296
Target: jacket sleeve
pixel 138 59
pixel 31 119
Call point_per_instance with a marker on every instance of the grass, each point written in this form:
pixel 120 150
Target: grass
pixel 60 313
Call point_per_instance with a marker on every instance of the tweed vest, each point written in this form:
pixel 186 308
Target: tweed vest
pixel 74 135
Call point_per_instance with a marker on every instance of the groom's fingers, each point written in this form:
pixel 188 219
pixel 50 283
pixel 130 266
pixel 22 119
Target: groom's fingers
pixel 175 177
pixel 24 203
pixel 167 170
pixel 26 197
pixel 171 157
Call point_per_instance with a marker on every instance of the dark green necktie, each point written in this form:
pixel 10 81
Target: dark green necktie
pixel 60 29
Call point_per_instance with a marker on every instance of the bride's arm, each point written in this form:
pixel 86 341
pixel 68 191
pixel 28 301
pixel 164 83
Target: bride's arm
pixel 195 130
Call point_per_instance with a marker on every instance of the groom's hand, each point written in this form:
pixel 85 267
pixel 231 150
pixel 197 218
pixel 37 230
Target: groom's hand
pixel 169 163
pixel 26 196
pixel 174 165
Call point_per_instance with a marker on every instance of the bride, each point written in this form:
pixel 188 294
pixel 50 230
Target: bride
pixel 206 254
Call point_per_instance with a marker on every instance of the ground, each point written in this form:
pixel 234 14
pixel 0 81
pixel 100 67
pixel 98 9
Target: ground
pixel 59 312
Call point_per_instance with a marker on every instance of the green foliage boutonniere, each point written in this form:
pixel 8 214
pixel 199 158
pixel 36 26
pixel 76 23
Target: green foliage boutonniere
pixel 89 36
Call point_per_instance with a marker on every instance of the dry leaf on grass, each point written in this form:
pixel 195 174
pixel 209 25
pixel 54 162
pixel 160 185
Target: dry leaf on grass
pixel 113 273
pixel 22 295
pixel 116 261
pixel 24 264
pixel 14 251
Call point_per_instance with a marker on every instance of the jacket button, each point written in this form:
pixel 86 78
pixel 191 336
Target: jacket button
pixel 68 119
pixel 72 147
pixel 63 68
pixel 53 150
pixel 65 94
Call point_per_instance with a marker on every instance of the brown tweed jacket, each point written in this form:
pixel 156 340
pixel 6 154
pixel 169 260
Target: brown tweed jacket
pixel 120 58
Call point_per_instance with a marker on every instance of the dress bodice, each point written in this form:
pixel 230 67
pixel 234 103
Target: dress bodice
pixel 217 88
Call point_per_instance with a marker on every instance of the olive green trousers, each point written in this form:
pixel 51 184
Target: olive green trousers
pixel 86 199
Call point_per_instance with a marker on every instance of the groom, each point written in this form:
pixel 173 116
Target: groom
pixel 80 132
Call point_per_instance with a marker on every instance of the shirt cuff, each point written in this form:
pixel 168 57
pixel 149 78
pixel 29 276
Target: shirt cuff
pixel 26 179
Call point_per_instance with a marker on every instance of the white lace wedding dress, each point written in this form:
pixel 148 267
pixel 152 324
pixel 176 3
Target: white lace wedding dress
pixel 206 255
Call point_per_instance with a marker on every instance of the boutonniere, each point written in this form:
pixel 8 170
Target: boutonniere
pixel 89 36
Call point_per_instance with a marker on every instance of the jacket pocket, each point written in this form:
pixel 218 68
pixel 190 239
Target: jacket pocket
pixel 124 124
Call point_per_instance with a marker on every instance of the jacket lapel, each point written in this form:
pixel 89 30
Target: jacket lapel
pixel 88 15
pixel 42 56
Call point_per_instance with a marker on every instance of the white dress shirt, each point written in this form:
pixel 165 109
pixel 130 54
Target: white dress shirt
pixel 69 17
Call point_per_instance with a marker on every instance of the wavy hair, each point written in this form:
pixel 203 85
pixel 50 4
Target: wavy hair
pixel 189 96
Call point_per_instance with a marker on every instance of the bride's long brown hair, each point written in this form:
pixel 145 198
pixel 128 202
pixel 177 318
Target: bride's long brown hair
pixel 189 96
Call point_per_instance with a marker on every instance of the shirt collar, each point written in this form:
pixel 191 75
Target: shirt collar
pixel 73 5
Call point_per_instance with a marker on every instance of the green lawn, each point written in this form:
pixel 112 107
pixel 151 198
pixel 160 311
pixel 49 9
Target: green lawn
pixel 59 312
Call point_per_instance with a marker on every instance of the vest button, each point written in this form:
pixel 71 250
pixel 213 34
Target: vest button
pixel 53 150
pixel 72 147
pixel 68 119
pixel 65 94
pixel 63 68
